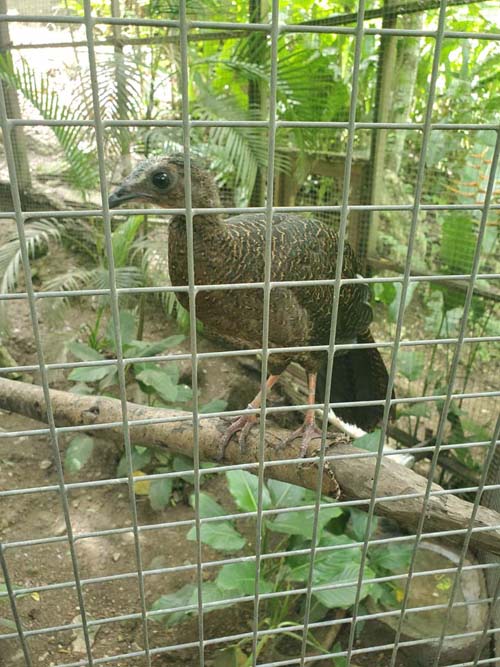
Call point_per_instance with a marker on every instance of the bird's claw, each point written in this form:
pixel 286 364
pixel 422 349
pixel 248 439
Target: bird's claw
pixel 308 431
pixel 244 424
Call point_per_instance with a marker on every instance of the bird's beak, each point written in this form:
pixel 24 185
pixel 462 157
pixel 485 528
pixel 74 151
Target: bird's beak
pixel 123 194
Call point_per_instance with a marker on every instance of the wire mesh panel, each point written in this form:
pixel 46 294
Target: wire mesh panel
pixel 134 529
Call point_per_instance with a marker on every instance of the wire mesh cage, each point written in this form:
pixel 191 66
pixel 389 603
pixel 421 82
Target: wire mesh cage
pixel 124 538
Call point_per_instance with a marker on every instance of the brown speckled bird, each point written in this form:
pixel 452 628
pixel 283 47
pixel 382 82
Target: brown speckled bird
pixel 231 250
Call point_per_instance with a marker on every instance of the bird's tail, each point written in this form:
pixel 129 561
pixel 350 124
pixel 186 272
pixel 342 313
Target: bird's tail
pixel 358 375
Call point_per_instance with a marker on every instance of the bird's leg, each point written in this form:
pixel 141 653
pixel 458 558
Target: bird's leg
pixel 308 430
pixel 245 422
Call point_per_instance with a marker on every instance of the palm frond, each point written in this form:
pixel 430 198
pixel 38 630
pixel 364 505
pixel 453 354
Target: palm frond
pixel 39 234
pixel 39 91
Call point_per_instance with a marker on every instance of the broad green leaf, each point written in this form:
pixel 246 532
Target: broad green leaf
pixel 301 522
pixel 88 374
pixel 180 598
pixel 155 348
pixel 411 364
pixel 160 381
pixel 395 558
pixel 325 560
pixel 8 623
pixel 183 464
pixel 370 441
pixel 344 597
pixel 415 410
pixel 244 489
pixel 220 535
pixel 82 389
pixel 384 292
pixel 208 506
pixel 394 306
pixel 458 242
pixel 127 328
pixel 340 661
pixel 284 494
pixel 184 393
pixel 210 592
pixel 78 453
pixel 240 577
pixel 84 352
pixel 141 456
pixel 160 491
pixel 217 405
pixel 358 521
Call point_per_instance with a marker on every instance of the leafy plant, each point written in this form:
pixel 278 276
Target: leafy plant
pixel 336 568
pixel 39 91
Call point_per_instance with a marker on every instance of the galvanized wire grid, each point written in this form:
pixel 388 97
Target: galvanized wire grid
pixel 273 29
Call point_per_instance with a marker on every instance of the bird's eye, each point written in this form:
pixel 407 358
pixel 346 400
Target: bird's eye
pixel 161 180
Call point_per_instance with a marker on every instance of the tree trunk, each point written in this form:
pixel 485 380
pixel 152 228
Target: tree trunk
pixel 350 468
pixel 256 96
pixel 14 111
pixel 403 90
pixel 385 82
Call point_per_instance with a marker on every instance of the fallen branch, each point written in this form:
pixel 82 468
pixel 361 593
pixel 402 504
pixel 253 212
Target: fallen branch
pixel 353 473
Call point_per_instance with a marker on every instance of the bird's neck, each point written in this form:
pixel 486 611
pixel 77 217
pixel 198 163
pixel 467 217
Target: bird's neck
pixel 203 223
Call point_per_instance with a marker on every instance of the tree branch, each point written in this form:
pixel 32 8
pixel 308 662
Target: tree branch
pixel 353 473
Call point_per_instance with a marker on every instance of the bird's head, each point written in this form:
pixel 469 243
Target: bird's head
pixel 159 181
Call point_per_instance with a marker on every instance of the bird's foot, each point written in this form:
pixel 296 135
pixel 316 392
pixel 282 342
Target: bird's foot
pixel 309 431
pixel 242 424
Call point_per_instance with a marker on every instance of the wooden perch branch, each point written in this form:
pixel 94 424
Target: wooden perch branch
pixel 355 475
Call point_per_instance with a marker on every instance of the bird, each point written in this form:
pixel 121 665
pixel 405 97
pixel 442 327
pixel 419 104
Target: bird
pixel 232 250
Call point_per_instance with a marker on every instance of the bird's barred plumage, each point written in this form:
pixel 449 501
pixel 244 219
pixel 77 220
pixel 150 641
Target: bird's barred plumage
pixel 232 250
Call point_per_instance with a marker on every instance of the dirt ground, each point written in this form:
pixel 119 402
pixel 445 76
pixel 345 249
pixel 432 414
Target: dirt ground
pixel 28 462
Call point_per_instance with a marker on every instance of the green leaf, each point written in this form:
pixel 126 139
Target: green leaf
pixel 82 389
pixel 220 535
pixel 160 382
pixel 458 242
pixel 244 489
pixel 141 456
pixel 160 491
pixel 394 306
pixel 240 577
pixel 208 507
pixel 181 598
pixel 123 237
pixel 184 393
pixel 301 522
pixel 415 410
pixel 358 521
pixel 411 364
pixel 142 349
pixel 340 661
pixel 395 559
pixel 183 463
pixel 88 374
pixel 78 453
pixel 284 494
pixel 217 405
pixel 370 441
pixel 84 352
pixel 345 597
pixel 127 328
pixel 384 292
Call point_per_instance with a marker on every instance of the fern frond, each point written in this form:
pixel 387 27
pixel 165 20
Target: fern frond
pixel 39 234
